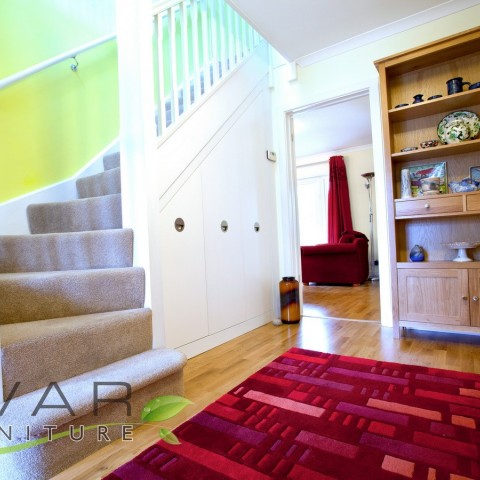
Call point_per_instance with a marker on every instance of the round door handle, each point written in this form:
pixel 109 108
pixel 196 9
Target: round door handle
pixel 464 297
pixel 427 206
pixel 475 298
pixel 179 225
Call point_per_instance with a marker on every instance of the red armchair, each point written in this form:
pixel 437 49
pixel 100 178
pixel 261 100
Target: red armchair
pixel 342 263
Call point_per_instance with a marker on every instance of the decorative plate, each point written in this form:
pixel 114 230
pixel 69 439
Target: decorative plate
pixel 458 126
pixel 455 245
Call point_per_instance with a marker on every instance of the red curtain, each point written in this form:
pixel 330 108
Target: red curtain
pixel 339 214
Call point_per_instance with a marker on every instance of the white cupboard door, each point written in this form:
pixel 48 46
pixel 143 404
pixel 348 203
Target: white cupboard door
pixel 258 207
pixel 183 266
pixel 223 247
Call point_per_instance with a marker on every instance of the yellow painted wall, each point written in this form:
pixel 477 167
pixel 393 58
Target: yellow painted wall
pixel 54 122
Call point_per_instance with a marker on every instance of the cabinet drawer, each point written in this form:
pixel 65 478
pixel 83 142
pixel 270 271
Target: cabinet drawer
pixel 473 202
pixel 429 206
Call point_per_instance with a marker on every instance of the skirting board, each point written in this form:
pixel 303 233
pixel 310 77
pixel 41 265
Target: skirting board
pixel 211 341
pixel 436 327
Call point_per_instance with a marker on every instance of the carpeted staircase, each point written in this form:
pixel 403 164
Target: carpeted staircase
pixel 72 312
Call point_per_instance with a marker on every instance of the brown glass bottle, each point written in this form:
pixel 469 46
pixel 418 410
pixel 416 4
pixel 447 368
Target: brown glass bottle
pixel 289 300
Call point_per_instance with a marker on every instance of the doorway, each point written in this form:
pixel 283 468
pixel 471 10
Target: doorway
pixel 340 127
pixel 333 301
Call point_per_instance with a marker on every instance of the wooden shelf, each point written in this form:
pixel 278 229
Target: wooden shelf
pixel 436 215
pixel 443 265
pixel 468 146
pixel 421 198
pixel 431 54
pixel 459 101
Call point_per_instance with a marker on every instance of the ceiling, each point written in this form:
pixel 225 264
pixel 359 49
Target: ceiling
pixel 329 128
pixel 306 31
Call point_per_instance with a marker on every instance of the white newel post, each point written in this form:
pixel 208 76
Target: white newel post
pixel 137 134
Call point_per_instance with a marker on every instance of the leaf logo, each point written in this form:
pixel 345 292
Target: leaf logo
pixel 156 410
pixel 163 408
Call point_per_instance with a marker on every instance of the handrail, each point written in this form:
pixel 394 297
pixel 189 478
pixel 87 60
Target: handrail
pixel 164 5
pixel 16 77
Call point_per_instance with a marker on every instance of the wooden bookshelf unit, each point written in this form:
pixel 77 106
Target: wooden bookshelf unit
pixel 438 293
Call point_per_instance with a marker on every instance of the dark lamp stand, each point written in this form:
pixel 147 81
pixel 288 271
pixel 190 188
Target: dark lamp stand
pixel 369 186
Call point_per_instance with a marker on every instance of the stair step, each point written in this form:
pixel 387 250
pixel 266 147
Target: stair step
pixel 27 347
pixel 112 160
pixel 150 374
pixel 26 297
pixel 103 183
pixel 66 251
pixel 98 213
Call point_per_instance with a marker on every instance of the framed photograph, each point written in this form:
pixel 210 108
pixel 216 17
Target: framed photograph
pixel 426 171
pixel 475 174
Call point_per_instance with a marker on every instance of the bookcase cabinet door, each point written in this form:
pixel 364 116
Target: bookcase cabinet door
pixel 474 291
pixel 438 296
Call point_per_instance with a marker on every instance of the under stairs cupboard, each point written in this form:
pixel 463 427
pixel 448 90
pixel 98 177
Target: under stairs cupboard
pixel 437 294
pixel 218 273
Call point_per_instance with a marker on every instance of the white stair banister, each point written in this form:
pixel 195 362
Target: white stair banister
pixel 172 30
pixel 162 113
pixel 184 13
pixel 196 53
pixel 199 42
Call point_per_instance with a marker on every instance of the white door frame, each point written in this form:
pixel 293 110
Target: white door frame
pixel 289 242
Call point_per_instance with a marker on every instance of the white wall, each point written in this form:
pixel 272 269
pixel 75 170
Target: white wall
pixel 358 162
pixel 341 76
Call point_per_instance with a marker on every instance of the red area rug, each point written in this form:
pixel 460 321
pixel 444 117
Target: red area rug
pixel 310 415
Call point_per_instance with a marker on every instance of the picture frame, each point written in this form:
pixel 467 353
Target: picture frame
pixel 418 172
pixel 475 174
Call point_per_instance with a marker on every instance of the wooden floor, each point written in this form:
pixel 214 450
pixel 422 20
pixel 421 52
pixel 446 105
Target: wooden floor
pixel 355 303
pixel 213 373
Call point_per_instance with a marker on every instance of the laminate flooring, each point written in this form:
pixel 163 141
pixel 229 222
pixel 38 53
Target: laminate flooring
pixel 354 303
pixel 213 373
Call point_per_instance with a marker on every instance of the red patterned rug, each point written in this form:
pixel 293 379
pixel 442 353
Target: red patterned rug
pixel 310 415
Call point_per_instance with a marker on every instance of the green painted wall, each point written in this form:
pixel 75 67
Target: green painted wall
pixel 213 17
pixel 54 122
